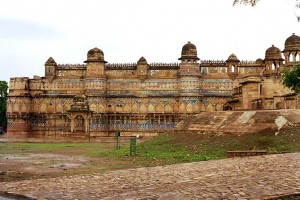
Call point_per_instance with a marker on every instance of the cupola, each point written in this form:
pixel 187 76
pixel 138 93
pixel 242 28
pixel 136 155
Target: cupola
pixel 189 52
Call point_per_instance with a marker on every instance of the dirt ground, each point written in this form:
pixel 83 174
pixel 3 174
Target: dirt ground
pixel 39 165
pixel 25 164
pixel 22 163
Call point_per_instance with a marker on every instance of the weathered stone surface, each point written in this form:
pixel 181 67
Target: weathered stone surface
pixel 240 122
pixel 239 178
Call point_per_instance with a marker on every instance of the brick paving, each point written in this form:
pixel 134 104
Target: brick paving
pixel 259 177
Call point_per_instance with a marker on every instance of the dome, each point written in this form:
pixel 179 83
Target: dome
pixel 51 62
pixel 189 51
pixel 95 55
pixel 142 61
pixel 292 43
pixel 259 61
pixel 273 53
pixel 232 58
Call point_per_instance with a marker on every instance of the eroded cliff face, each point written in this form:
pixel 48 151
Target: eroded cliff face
pixel 240 122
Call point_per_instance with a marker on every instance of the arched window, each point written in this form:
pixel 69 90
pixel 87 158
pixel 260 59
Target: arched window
pixel 297 57
pixel 290 57
pixel 273 66
pixel 204 70
pixel 223 70
pixel 227 108
pixel 232 68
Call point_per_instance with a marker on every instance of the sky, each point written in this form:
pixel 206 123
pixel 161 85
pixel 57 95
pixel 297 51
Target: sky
pixel 31 31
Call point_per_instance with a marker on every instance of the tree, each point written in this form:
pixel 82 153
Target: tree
pixel 3 98
pixel 245 2
pixel 254 2
pixel 291 79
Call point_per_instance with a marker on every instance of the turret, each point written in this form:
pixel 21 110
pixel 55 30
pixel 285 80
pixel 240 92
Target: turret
pixel 189 65
pixel 273 60
pixel 292 49
pixel 95 63
pixel 189 71
pixel 232 66
pixel 142 68
pixel 95 72
pixel 50 67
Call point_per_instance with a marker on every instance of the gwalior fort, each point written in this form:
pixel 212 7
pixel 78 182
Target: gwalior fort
pixel 98 98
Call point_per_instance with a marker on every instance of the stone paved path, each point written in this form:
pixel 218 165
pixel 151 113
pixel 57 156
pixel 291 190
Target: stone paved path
pixel 238 178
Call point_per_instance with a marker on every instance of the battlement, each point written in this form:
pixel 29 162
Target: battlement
pixel 114 66
pixel 133 66
pixel 208 63
pixel 71 66
pixel 18 83
pixel 221 63
pixel 162 65
pixel 247 62
pixel 212 61
pixel 18 86
pixel 19 78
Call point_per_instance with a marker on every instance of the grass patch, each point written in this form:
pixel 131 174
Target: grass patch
pixel 161 150
pixel 83 149
pixel 168 148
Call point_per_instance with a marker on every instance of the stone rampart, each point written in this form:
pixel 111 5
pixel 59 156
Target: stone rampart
pixel 240 122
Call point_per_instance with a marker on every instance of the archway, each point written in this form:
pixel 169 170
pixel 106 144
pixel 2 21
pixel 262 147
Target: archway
pixel 79 125
pixel 168 108
pixel 59 108
pixel 143 108
pixel 182 108
pixel 126 108
pixel 101 108
pixel 297 59
pixel 43 108
pixel 159 108
pixel 151 108
pixel 227 107
pixel 134 108
pixel 210 108
pixel 189 108
pixel 290 57
pixel 50 108
pixel 219 107
pixel 273 66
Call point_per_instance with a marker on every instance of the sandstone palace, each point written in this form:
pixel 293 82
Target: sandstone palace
pixel 98 98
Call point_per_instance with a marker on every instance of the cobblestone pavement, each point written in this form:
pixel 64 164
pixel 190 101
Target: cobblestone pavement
pixel 237 178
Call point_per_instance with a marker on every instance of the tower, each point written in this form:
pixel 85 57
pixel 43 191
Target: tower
pixel 188 78
pixel 95 73
pixel 50 67
pixel 273 60
pixel 292 50
pixel 189 70
pixel 189 59
pixel 19 107
pixel 95 63
pixel 232 66
pixel 142 68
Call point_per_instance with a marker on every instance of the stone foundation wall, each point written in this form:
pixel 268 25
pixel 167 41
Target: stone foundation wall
pixel 240 122
pixel 76 135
